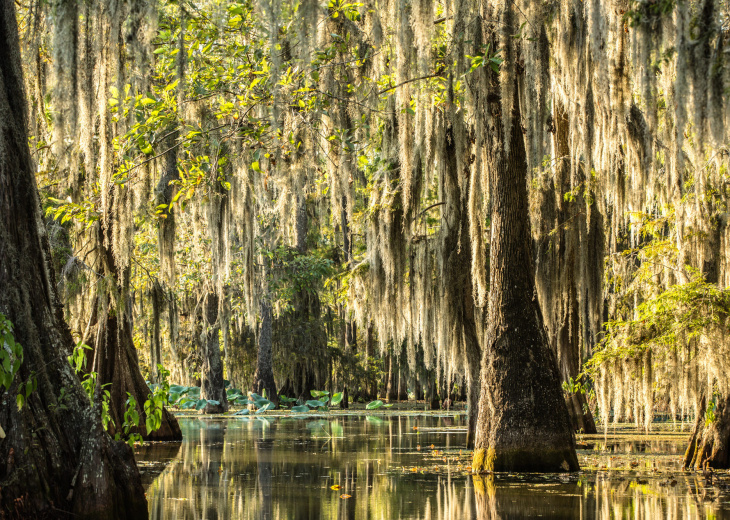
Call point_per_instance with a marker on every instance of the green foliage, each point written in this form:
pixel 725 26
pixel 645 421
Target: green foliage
pixel 77 359
pixel 374 405
pixel 666 318
pixel 573 386
pixel 293 274
pixel 84 212
pixel 493 61
pixel 11 353
pixel 710 416
pixel 155 402
pixel 642 11
pixel 131 420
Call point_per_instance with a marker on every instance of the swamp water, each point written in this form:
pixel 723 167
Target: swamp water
pixel 408 466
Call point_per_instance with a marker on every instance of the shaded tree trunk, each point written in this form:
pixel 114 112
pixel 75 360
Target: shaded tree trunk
pixel 523 424
pixel 212 386
pixel 369 389
pixel 557 276
pixel 115 357
pixel 432 395
pixel 263 378
pixel 456 284
pixel 157 297
pixel 709 444
pixel 391 390
pixel 56 461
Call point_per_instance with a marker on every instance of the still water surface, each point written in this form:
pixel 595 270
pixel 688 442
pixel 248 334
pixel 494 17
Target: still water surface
pixel 409 467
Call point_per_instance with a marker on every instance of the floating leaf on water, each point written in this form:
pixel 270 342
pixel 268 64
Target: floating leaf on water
pixel 315 404
pixel 335 487
pixel 266 407
pixel 242 412
pixel 374 405
pixel 300 409
pixel 345 496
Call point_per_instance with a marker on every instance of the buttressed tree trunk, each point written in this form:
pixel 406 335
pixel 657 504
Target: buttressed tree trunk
pixel 523 423
pixel 709 445
pixel 263 379
pixel 56 458
pixel 116 361
pixel 212 386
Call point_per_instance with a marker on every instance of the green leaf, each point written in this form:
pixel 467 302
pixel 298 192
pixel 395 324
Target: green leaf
pixel 374 405
pixel 336 398
pixel 255 166
pixel 261 402
pixel 201 404
pixel 300 409
pixel 266 407
pixel 315 404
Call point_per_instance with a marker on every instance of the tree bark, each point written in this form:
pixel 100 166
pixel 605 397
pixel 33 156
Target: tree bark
pixel 391 390
pixel 115 357
pixel 523 423
pixel 57 459
pixel 212 386
pixel 370 388
pixel 456 284
pixel 709 445
pixel 157 297
pixel 559 251
pixel 263 378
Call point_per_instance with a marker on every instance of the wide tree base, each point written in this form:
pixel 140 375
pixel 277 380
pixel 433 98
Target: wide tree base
pixel 580 416
pixel 709 445
pixel 523 422
pixel 527 459
pixel 117 364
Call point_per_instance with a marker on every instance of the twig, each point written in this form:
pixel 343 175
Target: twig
pixel 408 81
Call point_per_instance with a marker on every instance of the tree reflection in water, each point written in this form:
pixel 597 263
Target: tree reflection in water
pixel 355 467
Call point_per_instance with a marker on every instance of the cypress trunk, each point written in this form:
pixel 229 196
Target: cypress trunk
pixel 115 357
pixel 212 386
pixel 456 283
pixel 263 379
pixel 709 444
pixel 56 461
pixel 560 249
pixel 523 423
pixel 391 390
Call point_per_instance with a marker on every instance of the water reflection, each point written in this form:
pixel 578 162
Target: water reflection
pixel 411 467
